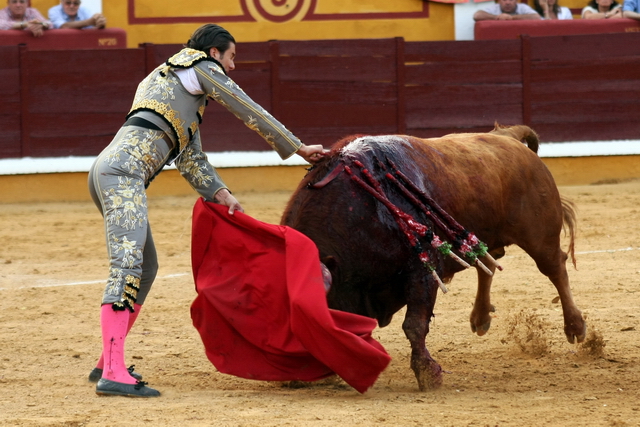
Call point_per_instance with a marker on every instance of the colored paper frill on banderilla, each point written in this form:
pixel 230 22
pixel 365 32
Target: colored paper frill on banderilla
pixel 261 308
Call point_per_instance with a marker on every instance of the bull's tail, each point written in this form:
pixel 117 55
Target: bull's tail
pixel 522 133
pixel 569 224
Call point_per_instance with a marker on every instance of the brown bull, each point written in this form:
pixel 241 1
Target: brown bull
pixel 378 207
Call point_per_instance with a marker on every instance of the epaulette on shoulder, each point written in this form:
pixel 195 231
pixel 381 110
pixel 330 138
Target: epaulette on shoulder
pixel 188 57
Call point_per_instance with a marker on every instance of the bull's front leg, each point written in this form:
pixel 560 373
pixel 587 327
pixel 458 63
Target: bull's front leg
pixel 420 302
pixel 482 308
pixel 480 318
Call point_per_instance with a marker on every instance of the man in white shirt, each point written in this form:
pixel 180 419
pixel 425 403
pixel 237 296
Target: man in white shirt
pixel 69 14
pixel 505 10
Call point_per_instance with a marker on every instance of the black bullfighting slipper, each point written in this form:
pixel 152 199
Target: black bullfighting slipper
pixel 96 374
pixel 112 388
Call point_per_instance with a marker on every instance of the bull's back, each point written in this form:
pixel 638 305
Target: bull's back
pixel 493 185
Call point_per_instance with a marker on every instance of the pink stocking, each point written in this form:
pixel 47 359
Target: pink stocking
pixel 132 319
pixel 114 332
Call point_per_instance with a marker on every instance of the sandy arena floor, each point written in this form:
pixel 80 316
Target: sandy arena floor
pixel 522 373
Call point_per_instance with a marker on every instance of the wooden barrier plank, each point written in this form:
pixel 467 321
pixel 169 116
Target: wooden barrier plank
pixel 9 57
pixel 304 114
pixel 9 90
pixel 333 50
pixel 592 70
pixel 595 130
pixel 434 116
pixel 574 91
pixel 113 64
pixel 102 97
pixel 442 131
pixel 463 95
pixel 582 112
pixel 75 145
pixel 345 92
pixel 83 125
pixel 83 86
pixel 400 84
pixel 585 48
pixel 221 131
pixel 328 135
pixel 464 72
pixel 456 51
pixel 10 135
pixel 349 69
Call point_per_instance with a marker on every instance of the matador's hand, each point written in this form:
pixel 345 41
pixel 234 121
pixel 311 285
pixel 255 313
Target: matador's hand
pixel 312 153
pixel 224 197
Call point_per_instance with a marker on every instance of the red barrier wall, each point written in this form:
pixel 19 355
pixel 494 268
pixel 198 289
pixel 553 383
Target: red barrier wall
pixel 568 88
pixel 496 30
pixel 108 38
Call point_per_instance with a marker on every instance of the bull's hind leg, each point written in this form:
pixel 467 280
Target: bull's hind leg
pixel 552 263
pixel 420 302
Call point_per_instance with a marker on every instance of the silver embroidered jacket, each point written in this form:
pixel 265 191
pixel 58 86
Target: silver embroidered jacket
pixel 162 92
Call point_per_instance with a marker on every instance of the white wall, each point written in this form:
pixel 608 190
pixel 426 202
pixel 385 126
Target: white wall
pixel 94 6
pixel 463 18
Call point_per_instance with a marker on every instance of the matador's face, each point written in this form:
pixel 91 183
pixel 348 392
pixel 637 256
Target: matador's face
pixel 227 58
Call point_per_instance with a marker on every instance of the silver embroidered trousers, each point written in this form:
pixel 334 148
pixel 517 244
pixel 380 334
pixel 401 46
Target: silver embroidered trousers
pixel 117 182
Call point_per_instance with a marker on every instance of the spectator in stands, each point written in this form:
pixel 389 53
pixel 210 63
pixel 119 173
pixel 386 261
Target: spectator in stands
pixel 631 9
pixel 19 16
pixel 505 10
pixel 550 9
pixel 69 14
pixel 602 9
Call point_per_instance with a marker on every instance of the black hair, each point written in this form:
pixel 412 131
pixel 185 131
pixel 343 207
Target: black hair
pixel 538 8
pixel 594 4
pixel 211 35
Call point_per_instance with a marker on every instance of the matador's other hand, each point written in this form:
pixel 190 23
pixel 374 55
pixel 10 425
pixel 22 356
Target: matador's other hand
pixel 224 197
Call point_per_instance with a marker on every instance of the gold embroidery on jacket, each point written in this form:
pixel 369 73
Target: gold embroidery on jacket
pixel 168 113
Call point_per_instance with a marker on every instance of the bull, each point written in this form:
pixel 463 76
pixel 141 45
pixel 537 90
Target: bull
pixel 395 217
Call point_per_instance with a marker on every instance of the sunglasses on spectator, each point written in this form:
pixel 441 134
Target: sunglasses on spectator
pixel 74 3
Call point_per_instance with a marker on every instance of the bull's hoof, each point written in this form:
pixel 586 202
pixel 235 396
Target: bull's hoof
pixel 429 377
pixel 480 324
pixel 576 332
pixel 482 329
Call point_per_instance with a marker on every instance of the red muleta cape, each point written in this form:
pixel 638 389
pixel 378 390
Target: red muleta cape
pixel 261 308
